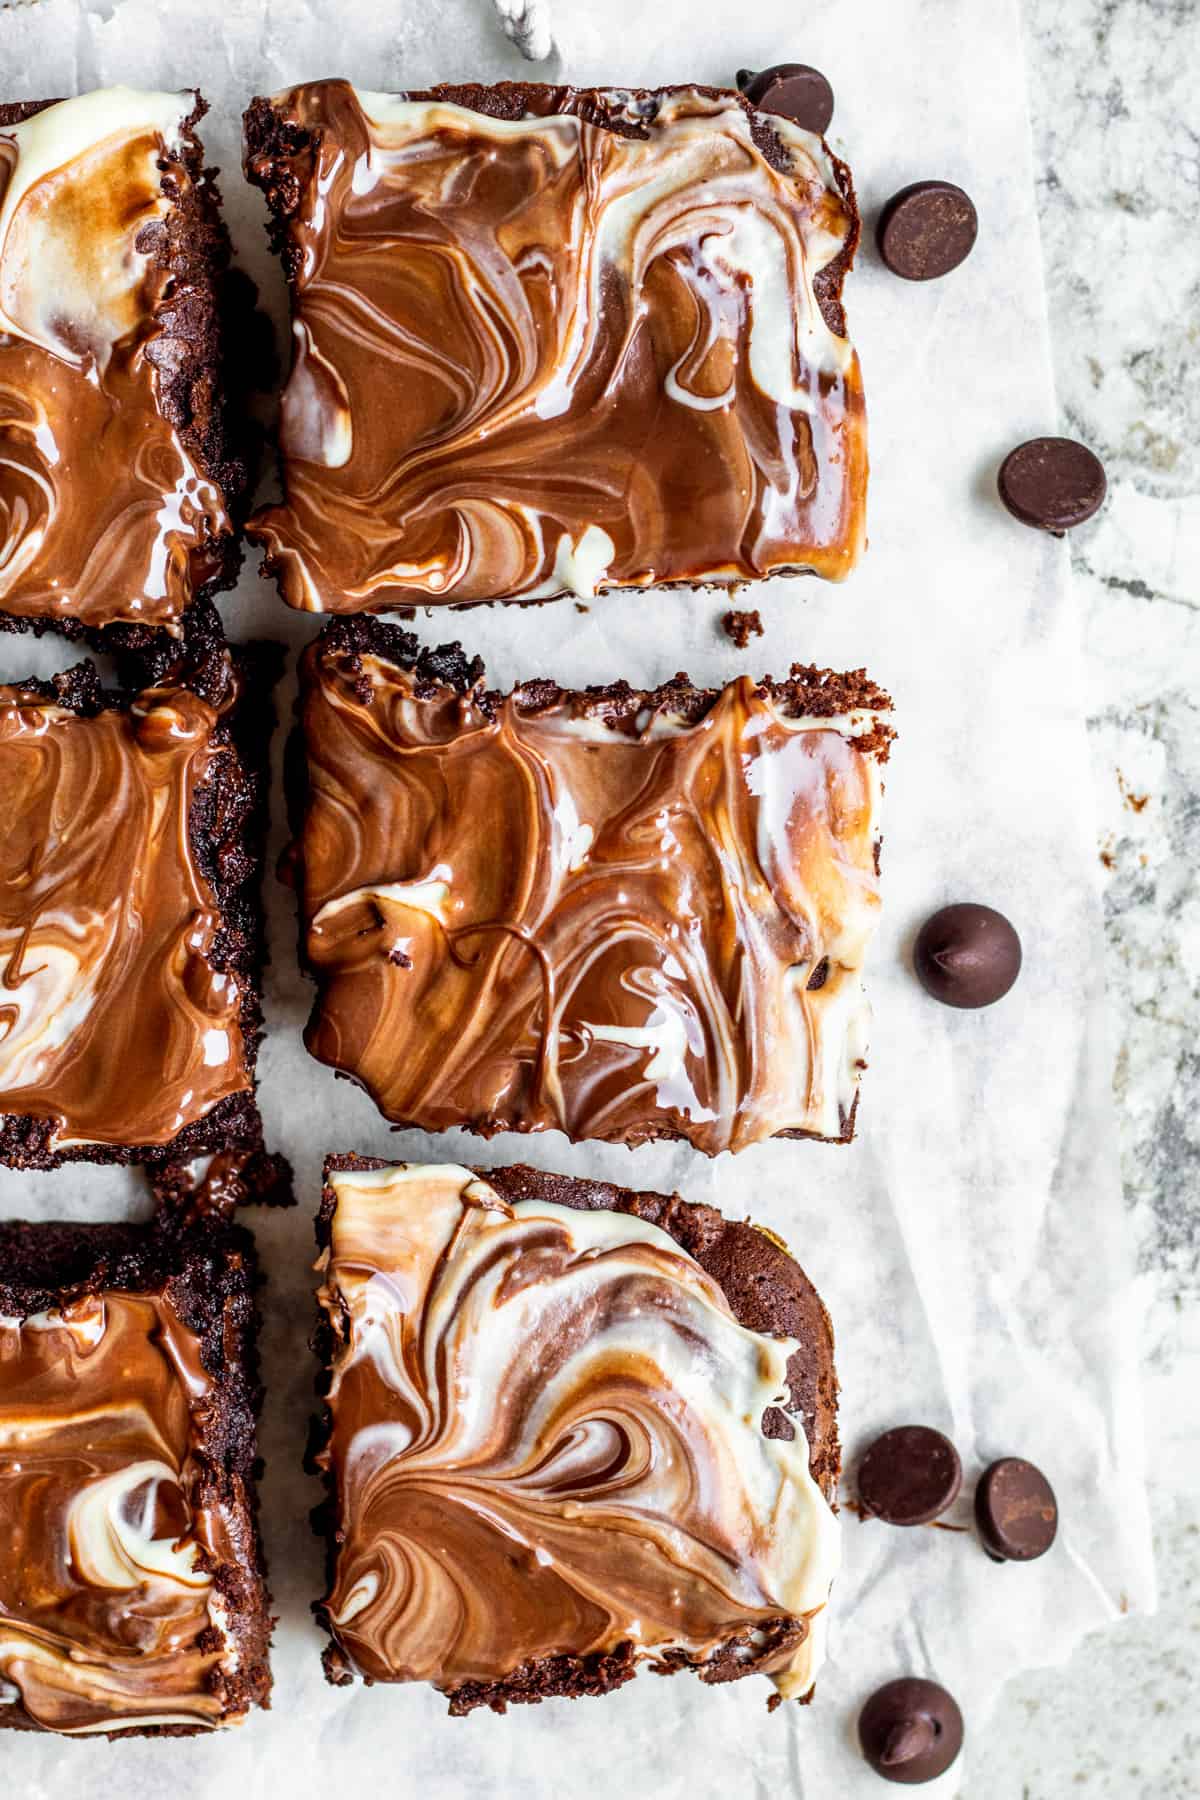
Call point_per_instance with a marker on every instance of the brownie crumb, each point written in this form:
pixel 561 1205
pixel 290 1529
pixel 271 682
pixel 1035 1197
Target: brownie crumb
pixel 742 626
pixel 1135 802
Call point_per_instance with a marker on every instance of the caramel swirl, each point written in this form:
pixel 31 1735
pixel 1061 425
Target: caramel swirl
pixel 578 349
pixel 104 514
pixel 108 1616
pixel 546 1440
pixel 665 936
pixel 114 1023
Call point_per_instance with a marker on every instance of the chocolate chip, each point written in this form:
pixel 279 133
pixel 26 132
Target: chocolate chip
pixel 967 955
pixel 911 1730
pixel 909 1475
pixel 1052 483
pixel 926 230
pixel 791 91
pixel 1015 1510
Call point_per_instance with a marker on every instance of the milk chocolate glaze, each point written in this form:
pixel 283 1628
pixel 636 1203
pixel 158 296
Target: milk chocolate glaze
pixel 552 340
pixel 109 1617
pixel 666 936
pixel 110 510
pixel 547 1439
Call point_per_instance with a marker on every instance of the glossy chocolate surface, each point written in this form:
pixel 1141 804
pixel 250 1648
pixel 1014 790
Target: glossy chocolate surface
pixel 664 936
pixel 118 1025
pixel 108 1615
pixel 106 513
pixel 552 340
pixel 546 1442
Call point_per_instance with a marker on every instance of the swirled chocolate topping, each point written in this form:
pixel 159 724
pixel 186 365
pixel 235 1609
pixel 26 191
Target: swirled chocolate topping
pixel 552 340
pixel 618 915
pixel 106 310
pixel 117 1021
pixel 109 1617
pixel 546 1443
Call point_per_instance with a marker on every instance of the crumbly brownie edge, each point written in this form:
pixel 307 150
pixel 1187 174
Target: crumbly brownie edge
pixel 210 308
pixel 806 692
pixel 227 831
pixel 212 1276
pixel 767 1292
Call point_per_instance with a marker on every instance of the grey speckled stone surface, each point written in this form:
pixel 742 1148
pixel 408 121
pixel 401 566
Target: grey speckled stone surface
pixel 1117 136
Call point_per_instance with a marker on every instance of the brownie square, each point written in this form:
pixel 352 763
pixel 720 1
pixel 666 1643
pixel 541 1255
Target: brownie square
pixel 616 913
pixel 554 340
pixel 122 463
pixel 131 828
pixel 569 1430
pixel 132 1585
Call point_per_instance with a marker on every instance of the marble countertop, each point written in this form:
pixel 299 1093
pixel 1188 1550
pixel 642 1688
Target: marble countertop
pixel 1112 86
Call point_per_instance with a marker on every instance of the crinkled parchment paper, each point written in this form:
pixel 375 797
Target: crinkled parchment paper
pixel 970 1243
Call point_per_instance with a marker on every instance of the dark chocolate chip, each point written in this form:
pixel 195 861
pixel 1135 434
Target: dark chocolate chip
pixel 1052 483
pixel 791 91
pixel 926 230
pixel 909 1475
pixel 910 1730
pixel 967 955
pixel 1015 1510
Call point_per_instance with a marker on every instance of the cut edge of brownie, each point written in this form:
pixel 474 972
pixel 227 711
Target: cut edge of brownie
pixel 807 692
pixel 210 1272
pixel 767 1291
pixel 227 830
pixel 209 307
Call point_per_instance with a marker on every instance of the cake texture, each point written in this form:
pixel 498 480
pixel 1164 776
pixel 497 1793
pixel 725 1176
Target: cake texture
pixel 131 835
pixel 554 340
pixel 132 1585
pixel 616 913
pixel 569 1430
pixel 122 463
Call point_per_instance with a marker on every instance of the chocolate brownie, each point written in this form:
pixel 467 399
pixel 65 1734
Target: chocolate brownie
pixel 131 845
pixel 569 1428
pixel 124 462
pixel 665 940
pixel 133 1593
pixel 608 324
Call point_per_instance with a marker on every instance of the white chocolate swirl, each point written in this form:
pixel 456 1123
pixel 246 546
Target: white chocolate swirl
pixel 546 1439
pixel 84 183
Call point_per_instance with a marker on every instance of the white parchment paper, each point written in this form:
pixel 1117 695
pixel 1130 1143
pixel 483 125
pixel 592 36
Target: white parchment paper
pixel 970 1243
